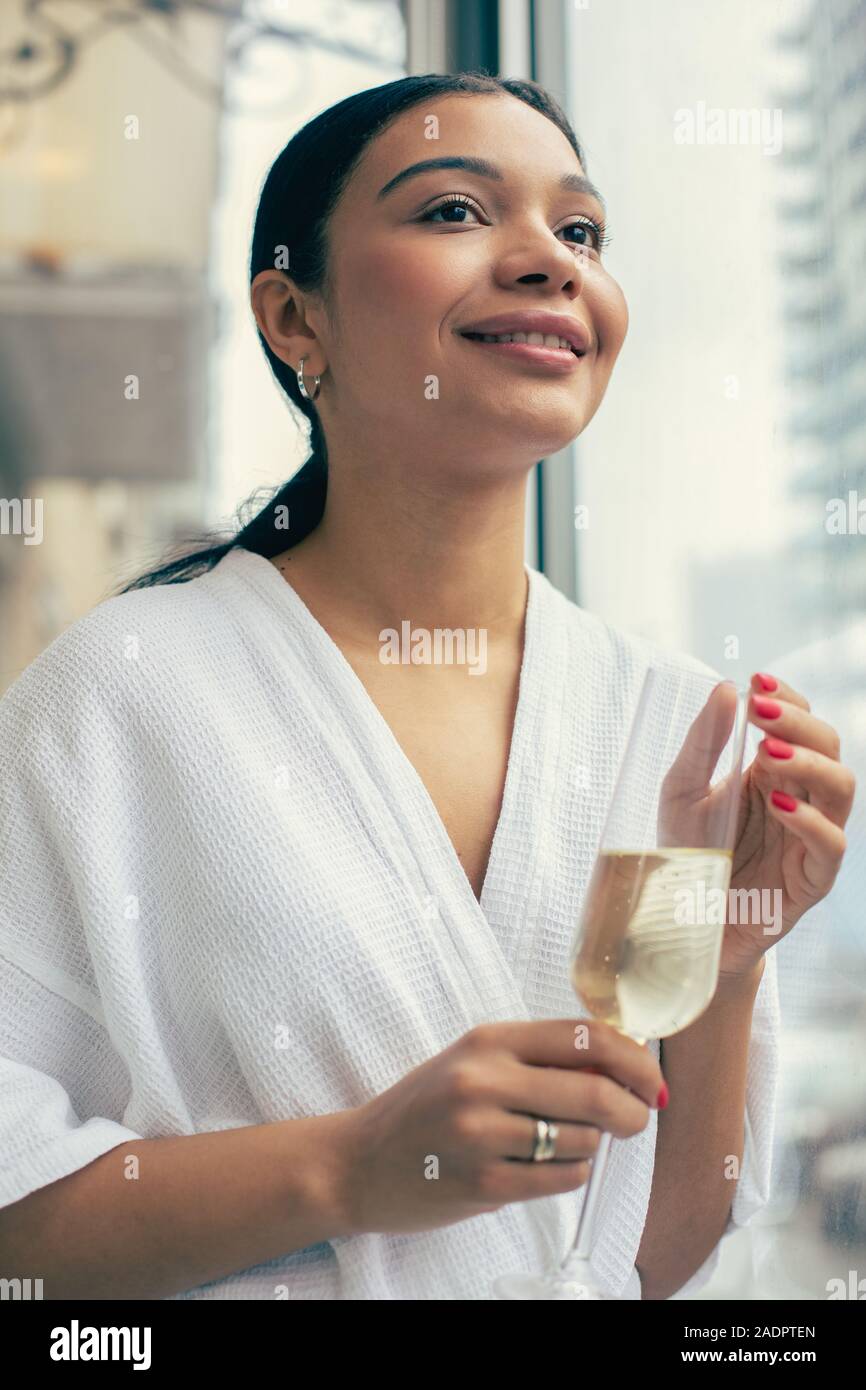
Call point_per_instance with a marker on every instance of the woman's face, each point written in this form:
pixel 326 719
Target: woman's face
pixel 410 272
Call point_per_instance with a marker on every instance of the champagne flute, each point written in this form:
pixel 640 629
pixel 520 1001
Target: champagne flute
pixel 645 957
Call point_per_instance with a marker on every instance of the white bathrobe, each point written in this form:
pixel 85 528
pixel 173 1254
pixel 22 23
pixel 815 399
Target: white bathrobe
pixel 226 898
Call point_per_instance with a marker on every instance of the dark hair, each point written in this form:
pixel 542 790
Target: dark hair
pixel 299 194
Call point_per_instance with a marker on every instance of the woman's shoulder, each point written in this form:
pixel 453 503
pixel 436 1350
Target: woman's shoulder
pixel 127 643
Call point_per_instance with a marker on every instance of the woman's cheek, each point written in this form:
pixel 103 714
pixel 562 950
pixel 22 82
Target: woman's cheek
pixel 611 315
pixel 389 281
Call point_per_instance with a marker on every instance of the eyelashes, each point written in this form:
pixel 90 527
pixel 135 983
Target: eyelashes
pixel 601 234
pixel 462 200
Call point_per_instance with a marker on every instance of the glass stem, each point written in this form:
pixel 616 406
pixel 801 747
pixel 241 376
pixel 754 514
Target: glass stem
pixel 582 1244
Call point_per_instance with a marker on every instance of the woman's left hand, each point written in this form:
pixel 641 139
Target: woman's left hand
pixel 796 796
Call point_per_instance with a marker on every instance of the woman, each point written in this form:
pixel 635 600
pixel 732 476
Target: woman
pixel 285 921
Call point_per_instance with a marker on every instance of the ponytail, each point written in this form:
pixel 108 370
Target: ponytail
pixel 295 510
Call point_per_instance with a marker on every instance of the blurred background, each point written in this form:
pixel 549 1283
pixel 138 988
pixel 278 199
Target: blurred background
pixel 717 503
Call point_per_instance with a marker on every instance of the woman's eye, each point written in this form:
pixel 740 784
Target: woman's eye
pixel 462 205
pixel 590 235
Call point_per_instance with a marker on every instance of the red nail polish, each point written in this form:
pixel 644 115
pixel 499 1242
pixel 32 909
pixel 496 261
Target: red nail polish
pixel 767 682
pixel 767 709
pixel 783 801
pixel 663 1096
pixel 778 748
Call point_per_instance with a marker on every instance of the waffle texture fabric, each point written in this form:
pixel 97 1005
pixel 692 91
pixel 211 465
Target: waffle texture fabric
pixel 227 898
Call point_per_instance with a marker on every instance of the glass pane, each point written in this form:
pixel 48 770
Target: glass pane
pixel 136 407
pixel 725 475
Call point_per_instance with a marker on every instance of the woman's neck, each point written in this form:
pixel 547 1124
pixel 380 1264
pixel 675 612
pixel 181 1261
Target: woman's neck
pixel 446 561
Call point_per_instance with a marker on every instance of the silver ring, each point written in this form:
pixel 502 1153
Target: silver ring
pixel 302 385
pixel 544 1141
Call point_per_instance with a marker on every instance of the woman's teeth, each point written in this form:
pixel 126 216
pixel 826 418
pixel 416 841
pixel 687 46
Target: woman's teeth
pixel 548 340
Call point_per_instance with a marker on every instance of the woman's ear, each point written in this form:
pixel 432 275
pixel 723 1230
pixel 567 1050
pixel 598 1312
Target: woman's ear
pixel 272 300
pixel 280 312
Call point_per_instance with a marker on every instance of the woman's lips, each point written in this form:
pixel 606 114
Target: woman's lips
pixel 561 358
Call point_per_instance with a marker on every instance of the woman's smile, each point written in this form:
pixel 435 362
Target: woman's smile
pixel 538 336
pixel 529 347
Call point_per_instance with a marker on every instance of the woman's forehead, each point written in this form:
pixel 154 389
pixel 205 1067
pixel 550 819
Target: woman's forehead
pixel 501 130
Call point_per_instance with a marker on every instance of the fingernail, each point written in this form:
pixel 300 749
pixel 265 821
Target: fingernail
pixel 767 709
pixel 767 682
pixel 783 801
pixel 663 1096
pixel 778 748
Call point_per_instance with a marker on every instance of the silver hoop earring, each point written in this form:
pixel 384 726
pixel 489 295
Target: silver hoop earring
pixel 302 387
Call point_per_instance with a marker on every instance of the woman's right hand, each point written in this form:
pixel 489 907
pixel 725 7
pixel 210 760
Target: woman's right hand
pixel 446 1142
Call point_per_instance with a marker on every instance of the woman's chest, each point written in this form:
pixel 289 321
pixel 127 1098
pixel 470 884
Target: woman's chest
pixel 306 888
pixel 455 732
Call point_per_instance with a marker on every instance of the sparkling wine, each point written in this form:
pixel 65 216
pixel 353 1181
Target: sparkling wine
pixel 649 951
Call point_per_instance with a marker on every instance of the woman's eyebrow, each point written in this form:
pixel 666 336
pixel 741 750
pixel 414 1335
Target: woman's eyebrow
pixel 571 183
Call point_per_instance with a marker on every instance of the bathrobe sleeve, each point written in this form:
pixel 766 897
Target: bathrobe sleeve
pixel 63 1086
pixel 753 1189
